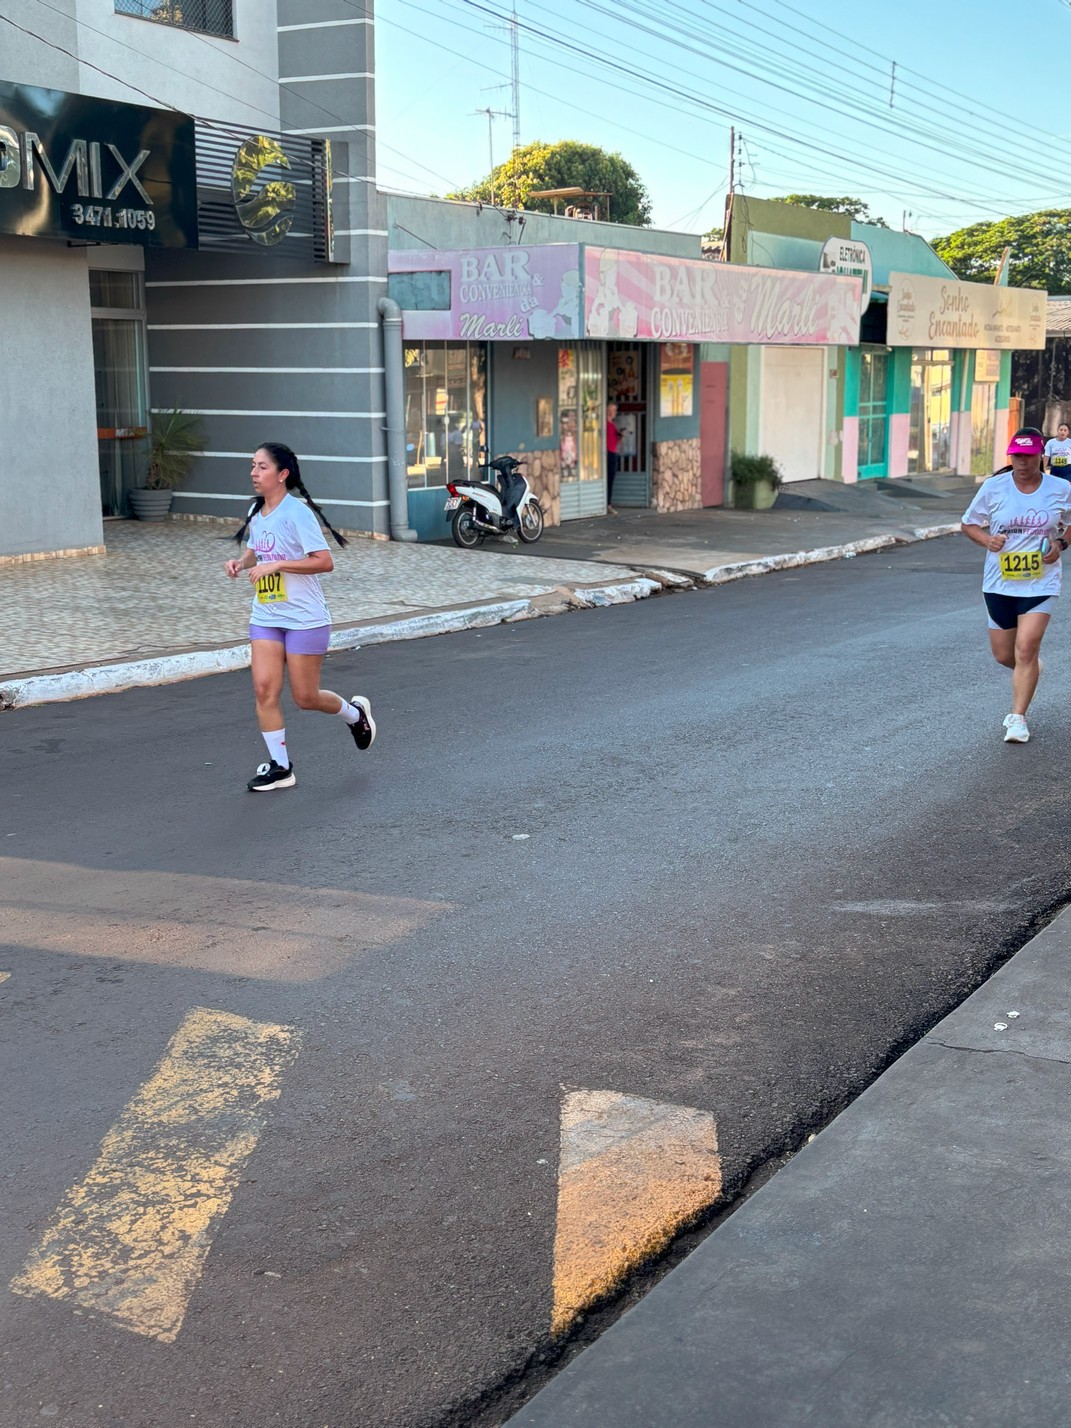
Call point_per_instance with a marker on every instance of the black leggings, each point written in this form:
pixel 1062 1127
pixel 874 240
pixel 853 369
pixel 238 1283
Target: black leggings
pixel 611 472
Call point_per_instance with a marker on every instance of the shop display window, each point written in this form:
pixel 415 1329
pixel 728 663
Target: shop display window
pixel 445 411
pixel 930 438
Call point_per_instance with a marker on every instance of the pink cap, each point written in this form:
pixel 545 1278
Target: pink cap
pixel 1026 444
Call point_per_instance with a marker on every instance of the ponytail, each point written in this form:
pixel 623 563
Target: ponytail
pixel 253 510
pixel 285 460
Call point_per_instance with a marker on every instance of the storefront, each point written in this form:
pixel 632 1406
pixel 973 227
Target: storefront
pixel 957 397
pixel 925 390
pixel 568 327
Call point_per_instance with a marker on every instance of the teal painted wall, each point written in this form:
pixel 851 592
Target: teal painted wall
pixel 899 381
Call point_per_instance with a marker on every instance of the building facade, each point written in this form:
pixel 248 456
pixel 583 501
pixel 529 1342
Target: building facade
pixel 265 318
pixel 925 390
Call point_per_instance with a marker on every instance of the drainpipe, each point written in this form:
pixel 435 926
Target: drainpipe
pixel 393 380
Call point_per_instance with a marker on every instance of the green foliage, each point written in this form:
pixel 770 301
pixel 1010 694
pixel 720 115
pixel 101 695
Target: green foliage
pixel 750 470
pixel 854 207
pixel 175 438
pixel 1040 256
pixel 566 165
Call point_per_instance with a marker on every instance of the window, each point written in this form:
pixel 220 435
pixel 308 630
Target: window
pixel 208 17
pixel 445 411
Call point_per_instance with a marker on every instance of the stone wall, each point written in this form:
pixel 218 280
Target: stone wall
pixel 543 471
pixel 675 475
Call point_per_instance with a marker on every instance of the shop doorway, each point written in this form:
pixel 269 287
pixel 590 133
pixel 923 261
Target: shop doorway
pixel 626 385
pixel 120 372
pixel 792 421
pixel 930 434
pixel 873 414
pixel 582 426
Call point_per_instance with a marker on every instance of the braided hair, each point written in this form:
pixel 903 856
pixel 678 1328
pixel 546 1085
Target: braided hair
pixel 285 460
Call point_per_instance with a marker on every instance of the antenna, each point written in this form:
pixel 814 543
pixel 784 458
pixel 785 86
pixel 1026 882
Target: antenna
pixel 492 115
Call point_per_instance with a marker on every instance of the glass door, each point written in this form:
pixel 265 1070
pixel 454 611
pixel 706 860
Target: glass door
pixel 873 413
pixel 582 427
pixel 627 386
pixel 122 388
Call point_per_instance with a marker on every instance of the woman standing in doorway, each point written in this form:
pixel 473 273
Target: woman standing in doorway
pixel 290 627
pixel 1018 517
pixel 613 434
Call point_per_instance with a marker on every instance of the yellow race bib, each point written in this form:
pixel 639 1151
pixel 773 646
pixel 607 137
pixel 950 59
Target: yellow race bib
pixel 271 589
pixel 1020 564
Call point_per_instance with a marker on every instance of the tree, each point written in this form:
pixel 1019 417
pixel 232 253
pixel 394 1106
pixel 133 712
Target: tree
pixel 565 165
pixel 854 207
pixel 1040 246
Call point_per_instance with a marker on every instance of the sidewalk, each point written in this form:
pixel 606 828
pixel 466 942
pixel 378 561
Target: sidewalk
pixel 157 607
pixel 909 1267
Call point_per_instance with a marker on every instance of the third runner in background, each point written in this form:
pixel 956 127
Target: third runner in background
pixel 1018 517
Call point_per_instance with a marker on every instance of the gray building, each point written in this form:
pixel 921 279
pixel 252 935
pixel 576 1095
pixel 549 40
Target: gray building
pixel 262 315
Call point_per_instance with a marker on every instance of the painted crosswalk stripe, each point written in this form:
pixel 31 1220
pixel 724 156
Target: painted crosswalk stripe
pixel 632 1172
pixel 131 1239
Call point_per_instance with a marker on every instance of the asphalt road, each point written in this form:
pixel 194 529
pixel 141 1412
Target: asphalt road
pixel 772 833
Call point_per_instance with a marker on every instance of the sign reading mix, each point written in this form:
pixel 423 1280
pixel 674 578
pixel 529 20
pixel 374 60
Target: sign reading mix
pixel 941 312
pixel 95 169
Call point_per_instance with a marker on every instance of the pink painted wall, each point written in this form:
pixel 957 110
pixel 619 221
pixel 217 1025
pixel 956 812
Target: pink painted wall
pixel 850 453
pixel 1000 441
pixel 899 436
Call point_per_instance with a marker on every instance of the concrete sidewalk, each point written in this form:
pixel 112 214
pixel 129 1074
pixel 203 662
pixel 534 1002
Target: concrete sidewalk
pixel 909 1267
pixel 157 606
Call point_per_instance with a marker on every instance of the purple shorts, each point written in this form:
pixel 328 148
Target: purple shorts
pixel 295 642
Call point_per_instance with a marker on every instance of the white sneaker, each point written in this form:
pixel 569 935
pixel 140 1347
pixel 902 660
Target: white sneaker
pixel 1016 731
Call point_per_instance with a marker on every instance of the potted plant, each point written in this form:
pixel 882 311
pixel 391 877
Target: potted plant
pixel 756 481
pixel 175 438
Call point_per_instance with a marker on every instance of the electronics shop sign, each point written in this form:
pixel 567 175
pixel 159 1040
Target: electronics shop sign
pixel 74 167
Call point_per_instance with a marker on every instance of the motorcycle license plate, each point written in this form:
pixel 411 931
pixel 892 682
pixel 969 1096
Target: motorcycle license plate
pixel 452 504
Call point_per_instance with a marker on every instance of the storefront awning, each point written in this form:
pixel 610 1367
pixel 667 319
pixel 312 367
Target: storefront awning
pixel 561 291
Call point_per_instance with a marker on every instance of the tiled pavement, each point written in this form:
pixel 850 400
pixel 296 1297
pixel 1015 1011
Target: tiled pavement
pixel 161 589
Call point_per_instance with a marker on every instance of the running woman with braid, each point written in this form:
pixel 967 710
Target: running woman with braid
pixel 290 627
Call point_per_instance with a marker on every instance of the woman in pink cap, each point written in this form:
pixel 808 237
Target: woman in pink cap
pixel 1018 518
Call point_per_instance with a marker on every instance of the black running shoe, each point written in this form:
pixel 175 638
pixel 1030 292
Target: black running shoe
pixel 269 776
pixel 364 731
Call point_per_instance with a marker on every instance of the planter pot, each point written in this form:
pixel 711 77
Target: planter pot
pixel 755 496
pixel 150 505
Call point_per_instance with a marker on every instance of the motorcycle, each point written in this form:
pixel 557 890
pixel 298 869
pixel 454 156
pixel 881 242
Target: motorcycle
pixel 507 510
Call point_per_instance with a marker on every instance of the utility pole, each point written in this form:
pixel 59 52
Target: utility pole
pixel 515 75
pixel 732 162
pixel 492 115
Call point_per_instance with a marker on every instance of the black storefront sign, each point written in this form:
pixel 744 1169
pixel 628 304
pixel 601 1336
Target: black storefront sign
pixel 96 170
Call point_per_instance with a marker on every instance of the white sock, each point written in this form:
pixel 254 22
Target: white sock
pixel 350 712
pixel 276 742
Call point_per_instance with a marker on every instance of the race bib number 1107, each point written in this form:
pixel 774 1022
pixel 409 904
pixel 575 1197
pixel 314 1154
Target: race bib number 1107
pixel 271 589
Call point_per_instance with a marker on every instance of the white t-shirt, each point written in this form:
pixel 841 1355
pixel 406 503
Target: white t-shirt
pixel 290 532
pixel 1025 520
pixel 1058 455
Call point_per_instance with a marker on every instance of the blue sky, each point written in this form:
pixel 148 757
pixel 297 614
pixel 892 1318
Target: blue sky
pixel 971 134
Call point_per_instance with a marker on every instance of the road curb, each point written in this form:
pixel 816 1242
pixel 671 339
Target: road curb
pixel 767 564
pixel 172 669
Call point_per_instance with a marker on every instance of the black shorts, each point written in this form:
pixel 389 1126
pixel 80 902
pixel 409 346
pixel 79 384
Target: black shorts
pixel 1004 610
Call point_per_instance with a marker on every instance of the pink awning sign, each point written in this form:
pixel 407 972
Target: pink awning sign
pixel 645 297
pixel 499 294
